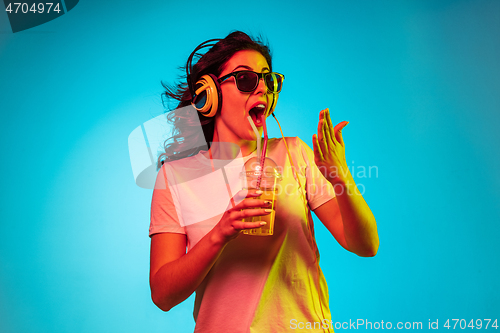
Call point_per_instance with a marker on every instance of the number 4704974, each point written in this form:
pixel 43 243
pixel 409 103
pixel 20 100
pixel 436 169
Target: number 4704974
pixel 477 324
pixel 40 8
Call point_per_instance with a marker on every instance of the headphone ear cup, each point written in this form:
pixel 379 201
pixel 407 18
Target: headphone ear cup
pixel 208 97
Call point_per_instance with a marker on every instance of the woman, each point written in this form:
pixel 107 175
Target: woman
pixel 246 283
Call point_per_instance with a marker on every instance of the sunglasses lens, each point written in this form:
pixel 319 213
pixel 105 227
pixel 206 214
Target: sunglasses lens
pixel 247 81
pixel 274 82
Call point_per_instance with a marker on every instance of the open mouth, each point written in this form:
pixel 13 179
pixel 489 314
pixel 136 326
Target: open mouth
pixel 257 114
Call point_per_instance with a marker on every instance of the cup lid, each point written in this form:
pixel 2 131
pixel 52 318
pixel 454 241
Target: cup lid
pixel 267 174
pixel 269 169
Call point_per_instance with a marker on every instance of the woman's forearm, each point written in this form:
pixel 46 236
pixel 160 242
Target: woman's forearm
pixel 175 281
pixel 175 275
pixel 360 227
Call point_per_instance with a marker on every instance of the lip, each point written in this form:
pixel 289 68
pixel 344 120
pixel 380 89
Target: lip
pixel 258 115
pixel 257 103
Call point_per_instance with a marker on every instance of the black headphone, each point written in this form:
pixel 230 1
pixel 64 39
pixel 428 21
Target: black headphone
pixel 206 96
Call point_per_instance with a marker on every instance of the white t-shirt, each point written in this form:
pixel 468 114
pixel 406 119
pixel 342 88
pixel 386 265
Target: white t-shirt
pixel 259 283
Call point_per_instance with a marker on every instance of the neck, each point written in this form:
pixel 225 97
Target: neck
pixel 226 143
pixel 225 148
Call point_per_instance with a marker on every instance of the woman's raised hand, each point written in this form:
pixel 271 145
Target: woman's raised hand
pixel 231 224
pixel 329 150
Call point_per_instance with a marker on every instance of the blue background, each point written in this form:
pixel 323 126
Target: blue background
pixel 418 81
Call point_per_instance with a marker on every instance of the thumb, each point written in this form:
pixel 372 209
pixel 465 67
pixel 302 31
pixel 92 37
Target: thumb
pixel 338 131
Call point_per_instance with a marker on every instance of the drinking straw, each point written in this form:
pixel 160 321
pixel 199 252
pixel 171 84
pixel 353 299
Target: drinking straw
pixel 263 155
pixel 259 154
pixel 257 135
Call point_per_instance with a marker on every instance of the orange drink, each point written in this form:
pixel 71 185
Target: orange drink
pixel 266 182
pixel 268 229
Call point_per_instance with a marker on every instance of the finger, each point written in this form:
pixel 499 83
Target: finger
pixel 329 135
pixel 254 193
pixel 323 138
pixel 320 125
pixel 250 213
pixel 329 119
pixel 317 149
pixel 253 203
pixel 248 225
pixel 338 131
pixel 246 193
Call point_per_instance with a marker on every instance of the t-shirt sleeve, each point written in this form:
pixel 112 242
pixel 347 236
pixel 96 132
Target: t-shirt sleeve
pixel 165 217
pixel 319 190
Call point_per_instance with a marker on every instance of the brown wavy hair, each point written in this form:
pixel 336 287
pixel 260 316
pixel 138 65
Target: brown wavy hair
pixel 185 123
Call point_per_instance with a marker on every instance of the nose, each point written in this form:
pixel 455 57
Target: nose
pixel 261 87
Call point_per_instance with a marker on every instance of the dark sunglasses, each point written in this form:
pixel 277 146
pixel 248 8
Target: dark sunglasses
pixel 247 81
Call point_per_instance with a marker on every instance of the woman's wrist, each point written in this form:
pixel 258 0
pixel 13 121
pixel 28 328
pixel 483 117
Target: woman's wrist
pixel 217 238
pixel 340 176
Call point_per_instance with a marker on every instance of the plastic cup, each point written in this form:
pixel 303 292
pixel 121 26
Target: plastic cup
pixel 268 184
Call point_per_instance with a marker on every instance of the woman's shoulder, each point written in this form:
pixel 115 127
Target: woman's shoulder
pixel 291 142
pixel 180 162
pixel 173 169
pixel 295 147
